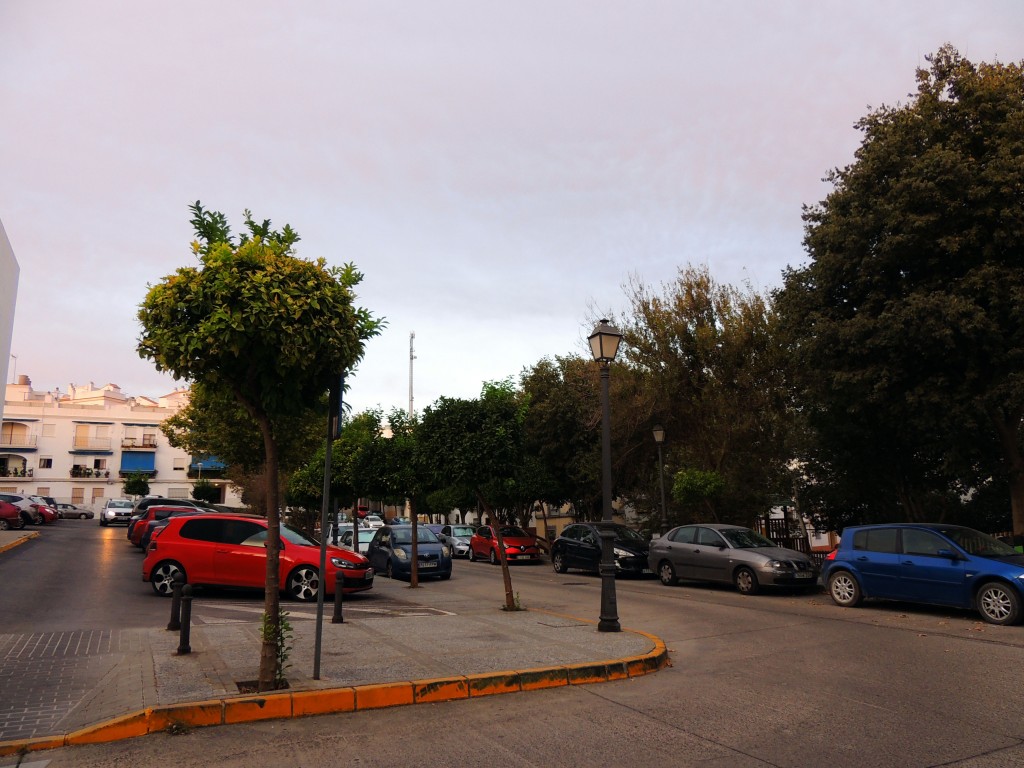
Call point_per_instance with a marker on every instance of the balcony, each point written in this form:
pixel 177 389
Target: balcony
pixel 95 474
pixel 84 443
pixel 16 442
pixel 138 444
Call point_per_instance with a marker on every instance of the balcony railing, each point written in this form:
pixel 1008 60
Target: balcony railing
pixel 18 441
pixel 138 444
pixel 91 443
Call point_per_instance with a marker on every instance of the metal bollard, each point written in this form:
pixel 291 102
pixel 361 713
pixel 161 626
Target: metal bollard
pixel 186 620
pixel 339 598
pixel 179 581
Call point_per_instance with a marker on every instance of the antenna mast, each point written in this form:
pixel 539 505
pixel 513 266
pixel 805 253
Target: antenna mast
pixel 412 356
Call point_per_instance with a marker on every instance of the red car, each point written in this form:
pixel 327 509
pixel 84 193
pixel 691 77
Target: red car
pixel 137 528
pixel 10 517
pixel 45 515
pixel 519 545
pixel 229 551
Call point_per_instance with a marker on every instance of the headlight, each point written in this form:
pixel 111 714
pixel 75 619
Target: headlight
pixel 400 553
pixel 445 551
pixel 778 565
pixel 621 552
pixel 339 562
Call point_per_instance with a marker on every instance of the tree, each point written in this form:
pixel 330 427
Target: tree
pixel 136 484
pixel 907 325
pixel 270 329
pixel 204 490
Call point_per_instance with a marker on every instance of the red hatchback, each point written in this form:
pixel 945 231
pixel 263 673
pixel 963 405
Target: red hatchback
pixel 10 517
pixel 137 528
pixel 229 551
pixel 519 545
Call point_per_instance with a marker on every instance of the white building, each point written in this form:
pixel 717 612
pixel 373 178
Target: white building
pixel 8 295
pixel 79 446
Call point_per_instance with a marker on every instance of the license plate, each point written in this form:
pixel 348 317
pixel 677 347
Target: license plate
pixel 647 570
pixel 804 574
pixel 428 565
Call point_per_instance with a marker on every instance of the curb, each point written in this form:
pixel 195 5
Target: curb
pixel 250 708
pixel 19 541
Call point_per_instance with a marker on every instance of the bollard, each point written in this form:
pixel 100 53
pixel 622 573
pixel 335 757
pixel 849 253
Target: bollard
pixel 179 581
pixel 186 620
pixel 339 598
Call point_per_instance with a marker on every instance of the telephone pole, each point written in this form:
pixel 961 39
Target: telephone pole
pixel 412 356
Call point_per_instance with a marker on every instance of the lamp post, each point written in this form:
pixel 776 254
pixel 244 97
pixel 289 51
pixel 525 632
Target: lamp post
pixel 659 438
pixel 604 345
pixel 200 478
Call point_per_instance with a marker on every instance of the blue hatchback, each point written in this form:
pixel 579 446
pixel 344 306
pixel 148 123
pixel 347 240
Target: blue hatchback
pixel 390 552
pixel 928 563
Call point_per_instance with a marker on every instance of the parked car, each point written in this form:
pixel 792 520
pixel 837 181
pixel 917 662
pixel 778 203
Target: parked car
pixel 519 545
pixel 456 537
pixel 116 511
pixel 139 508
pixel 228 550
pixel 345 539
pixel 25 503
pixel 927 563
pixel 390 551
pixel 372 521
pixel 71 511
pixel 579 546
pixel 152 515
pixel 46 515
pixel 10 517
pixel 729 554
pixel 154 527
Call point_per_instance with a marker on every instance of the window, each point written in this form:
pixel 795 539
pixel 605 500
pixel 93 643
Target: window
pixel 876 540
pixel 97 494
pixel 685 535
pixel 77 495
pixel 709 538
pixel 177 493
pixel 99 463
pixel 43 490
pixel 202 530
pixel 45 462
pixel 49 430
pixel 917 542
pixel 179 463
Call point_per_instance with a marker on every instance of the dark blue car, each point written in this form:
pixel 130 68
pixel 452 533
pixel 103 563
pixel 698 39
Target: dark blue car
pixel 928 563
pixel 390 552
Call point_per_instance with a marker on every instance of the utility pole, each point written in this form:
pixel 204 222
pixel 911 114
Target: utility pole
pixel 412 356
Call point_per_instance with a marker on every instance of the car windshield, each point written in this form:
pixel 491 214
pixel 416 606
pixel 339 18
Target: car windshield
pixel 295 537
pixel 627 534
pixel 120 504
pixel 513 533
pixel 404 535
pixel 744 538
pixel 462 530
pixel 977 543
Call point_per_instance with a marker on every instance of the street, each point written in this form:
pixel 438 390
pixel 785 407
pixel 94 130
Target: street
pixel 780 679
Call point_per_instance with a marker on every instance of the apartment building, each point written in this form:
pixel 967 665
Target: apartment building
pixel 78 446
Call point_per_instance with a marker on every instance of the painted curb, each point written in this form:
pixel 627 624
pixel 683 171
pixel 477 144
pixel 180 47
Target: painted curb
pixel 251 708
pixel 19 541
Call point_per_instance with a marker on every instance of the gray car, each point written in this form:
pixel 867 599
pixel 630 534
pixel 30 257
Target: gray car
pixel 456 537
pixel 729 554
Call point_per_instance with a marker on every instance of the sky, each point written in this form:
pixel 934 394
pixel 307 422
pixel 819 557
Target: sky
pixel 498 171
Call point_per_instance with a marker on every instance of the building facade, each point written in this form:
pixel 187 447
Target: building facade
pixel 79 446
pixel 9 271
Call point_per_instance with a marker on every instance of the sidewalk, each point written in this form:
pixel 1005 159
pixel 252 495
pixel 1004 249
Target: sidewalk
pixel 398 647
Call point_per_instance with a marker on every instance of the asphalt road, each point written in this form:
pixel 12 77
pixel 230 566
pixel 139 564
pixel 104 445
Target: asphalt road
pixel 771 680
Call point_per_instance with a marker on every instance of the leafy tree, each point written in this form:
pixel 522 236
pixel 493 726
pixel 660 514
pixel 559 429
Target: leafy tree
pixel 204 490
pixel 136 484
pixel 270 329
pixel 476 446
pixel 907 325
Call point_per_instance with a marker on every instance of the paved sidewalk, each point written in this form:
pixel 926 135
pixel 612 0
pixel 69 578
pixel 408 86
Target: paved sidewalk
pixel 401 647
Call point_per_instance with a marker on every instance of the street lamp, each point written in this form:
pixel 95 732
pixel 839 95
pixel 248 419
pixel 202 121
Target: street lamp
pixel 200 478
pixel 659 438
pixel 604 345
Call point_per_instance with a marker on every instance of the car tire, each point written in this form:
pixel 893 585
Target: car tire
pixel 667 573
pixel 162 577
pixel 471 555
pixel 495 560
pixel 998 603
pixel 83 517
pixel 844 589
pixel 303 583
pixel 4 525
pixel 446 576
pixel 558 563
pixel 103 522
pixel 746 581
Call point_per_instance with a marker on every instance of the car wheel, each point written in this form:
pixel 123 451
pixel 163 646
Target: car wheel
pixel 4 525
pixel 103 522
pixel 844 589
pixel 494 558
pixel 83 517
pixel 558 563
pixel 446 576
pixel 162 577
pixel 998 603
pixel 667 573
pixel 303 583
pixel 471 555
pixel 746 582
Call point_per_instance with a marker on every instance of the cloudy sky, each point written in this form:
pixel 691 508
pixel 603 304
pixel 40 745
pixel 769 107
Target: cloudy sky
pixel 497 170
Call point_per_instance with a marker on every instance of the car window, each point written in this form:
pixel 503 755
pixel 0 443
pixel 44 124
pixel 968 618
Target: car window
pixel 917 542
pixel 258 539
pixel 627 534
pixel 876 540
pixel 513 532
pixel 977 543
pixel 423 536
pixel 485 532
pixel 464 531
pixel 573 532
pixel 744 538
pixel 709 538
pixel 685 535
pixel 201 530
pixel 237 531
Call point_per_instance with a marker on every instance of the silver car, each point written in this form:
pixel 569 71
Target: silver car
pixel 457 538
pixel 729 554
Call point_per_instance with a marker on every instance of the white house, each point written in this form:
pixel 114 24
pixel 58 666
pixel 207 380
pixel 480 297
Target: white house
pixel 78 446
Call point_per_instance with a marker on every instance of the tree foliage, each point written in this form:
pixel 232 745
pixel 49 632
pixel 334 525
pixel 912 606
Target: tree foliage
pixel 136 484
pixel 255 321
pixel 907 325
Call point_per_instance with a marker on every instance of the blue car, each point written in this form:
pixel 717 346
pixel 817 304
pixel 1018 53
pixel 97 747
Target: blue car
pixel 927 563
pixel 390 552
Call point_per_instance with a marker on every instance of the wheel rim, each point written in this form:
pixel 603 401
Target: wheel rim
pixel 4 525
pixel 556 563
pixel 304 583
pixel 996 604
pixel 667 573
pixel 82 517
pixel 163 578
pixel 744 581
pixel 842 589
pixel 494 557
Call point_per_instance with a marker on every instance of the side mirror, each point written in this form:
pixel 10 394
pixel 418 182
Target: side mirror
pixel 949 553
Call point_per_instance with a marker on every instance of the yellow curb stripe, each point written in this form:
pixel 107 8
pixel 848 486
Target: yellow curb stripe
pixel 333 700
pixel 18 542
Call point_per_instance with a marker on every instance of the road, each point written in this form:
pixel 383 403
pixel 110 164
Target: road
pixel 771 680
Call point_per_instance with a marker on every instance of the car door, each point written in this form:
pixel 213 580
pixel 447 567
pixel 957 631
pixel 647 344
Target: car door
pixel 240 557
pixel 711 556
pixel 587 549
pixel 677 548
pixel 380 549
pixel 931 570
pixel 197 540
pixel 482 547
pixel 876 558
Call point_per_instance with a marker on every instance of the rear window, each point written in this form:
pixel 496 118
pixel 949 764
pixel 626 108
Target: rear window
pixel 876 540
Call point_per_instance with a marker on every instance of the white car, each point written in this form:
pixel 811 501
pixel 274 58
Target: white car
pixel 372 522
pixel 365 534
pixel 116 511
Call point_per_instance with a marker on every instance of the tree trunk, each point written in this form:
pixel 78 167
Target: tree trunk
pixel 272 598
pixel 414 566
pixel 506 575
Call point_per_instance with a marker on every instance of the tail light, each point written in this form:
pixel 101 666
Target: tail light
pixel 831 555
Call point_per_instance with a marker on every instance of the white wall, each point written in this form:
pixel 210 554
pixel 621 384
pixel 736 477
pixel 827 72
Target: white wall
pixel 9 272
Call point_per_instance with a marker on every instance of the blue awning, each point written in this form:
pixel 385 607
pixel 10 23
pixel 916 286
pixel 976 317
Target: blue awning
pixel 134 461
pixel 208 462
